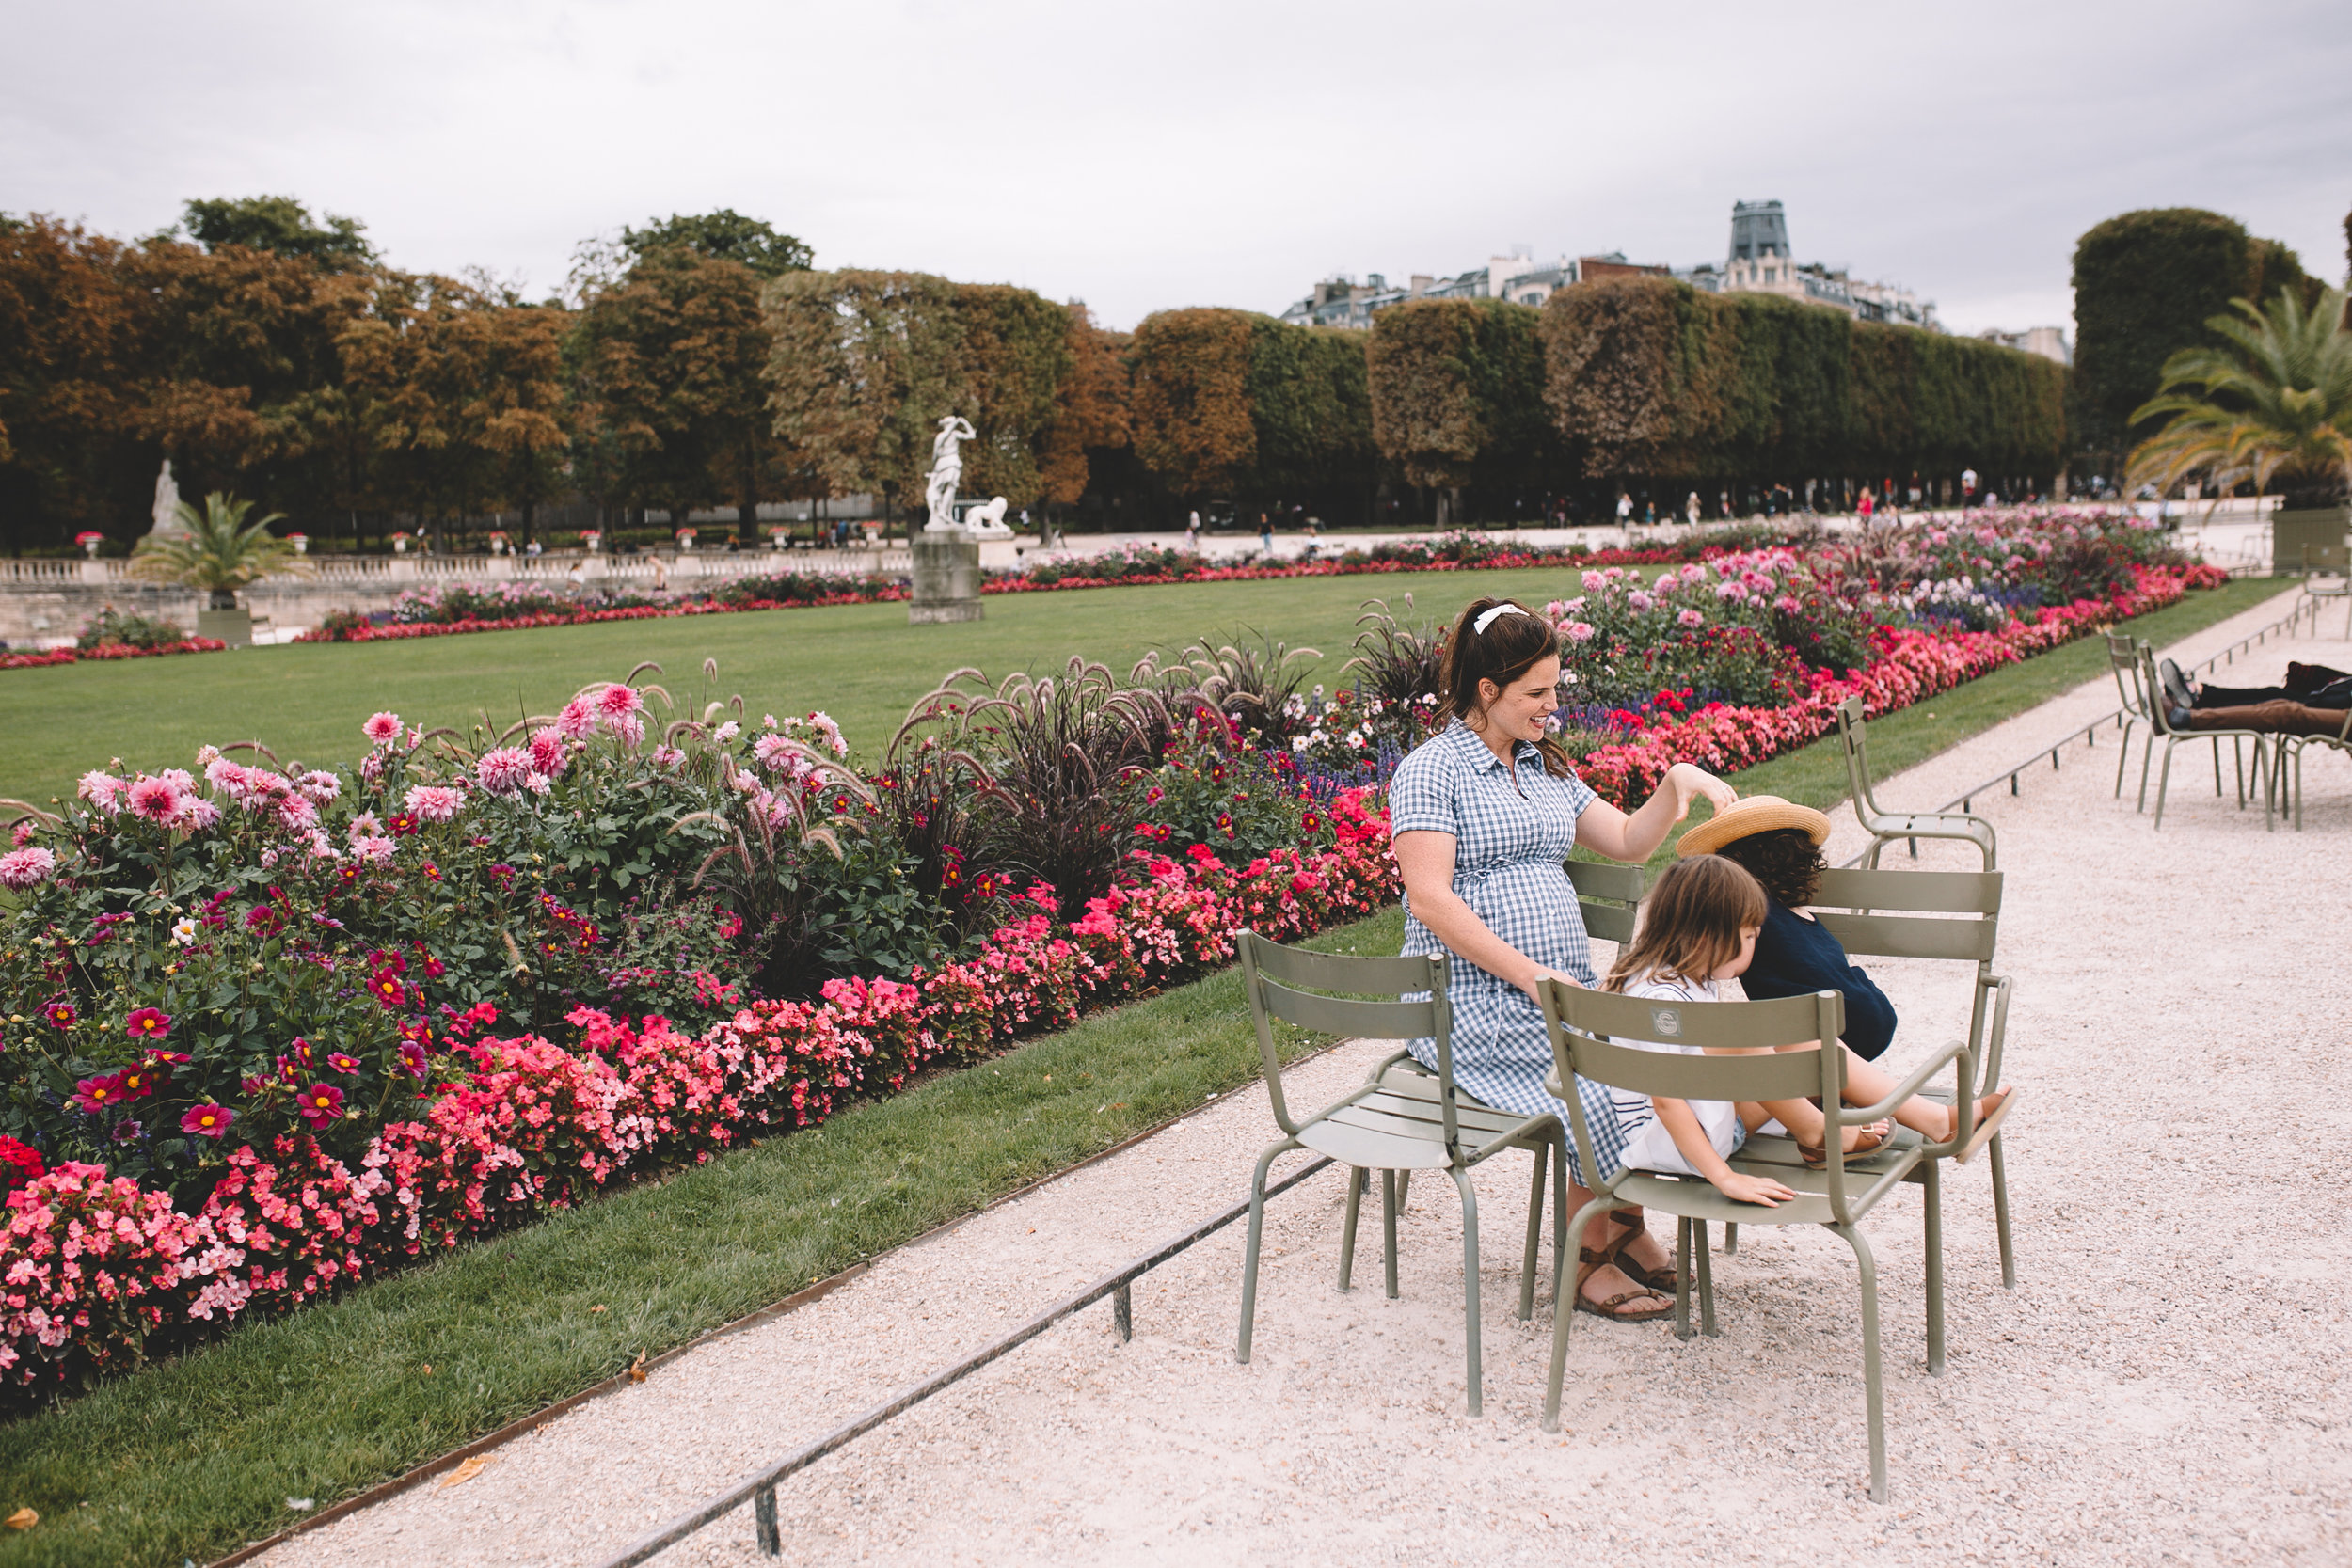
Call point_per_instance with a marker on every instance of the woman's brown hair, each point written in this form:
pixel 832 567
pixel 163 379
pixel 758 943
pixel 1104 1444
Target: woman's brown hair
pixel 1691 922
pixel 1513 643
pixel 1784 859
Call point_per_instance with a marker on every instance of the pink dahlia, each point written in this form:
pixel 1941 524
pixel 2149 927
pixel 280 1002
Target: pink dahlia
pixel 207 1120
pixel 382 728
pixel 502 771
pixel 434 802
pixel 194 813
pixel 547 752
pixel 224 775
pixel 103 790
pixel 617 700
pixel 147 1023
pixel 297 812
pixel 27 869
pixel 319 1103
pixel 579 718
pixel 629 727
pixel 320 785
pixel 1692 618
pixel 1578 631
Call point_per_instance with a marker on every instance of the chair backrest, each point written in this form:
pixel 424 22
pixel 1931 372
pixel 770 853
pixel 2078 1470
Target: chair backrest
pixel 2327 560
pixel 1854 734
pixel 1949 917
pixel 1604 1038
pixel 2153 684
pixel 1609 897
pixel 1274 974
pixel 2124 660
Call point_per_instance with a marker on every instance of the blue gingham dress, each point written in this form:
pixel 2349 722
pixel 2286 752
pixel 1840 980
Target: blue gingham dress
pixel 1512 833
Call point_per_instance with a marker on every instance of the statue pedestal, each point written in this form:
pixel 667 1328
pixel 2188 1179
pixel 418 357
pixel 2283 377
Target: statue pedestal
pixel 947 580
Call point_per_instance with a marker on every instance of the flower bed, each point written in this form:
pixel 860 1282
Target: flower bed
pixel 107 651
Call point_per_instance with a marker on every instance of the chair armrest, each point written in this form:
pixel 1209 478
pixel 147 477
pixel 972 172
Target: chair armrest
pixel 1937 1060
pixel 1997 1031
pixel 1392 1059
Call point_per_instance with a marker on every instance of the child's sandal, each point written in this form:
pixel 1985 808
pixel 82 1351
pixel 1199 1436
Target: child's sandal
pixel 1816 1156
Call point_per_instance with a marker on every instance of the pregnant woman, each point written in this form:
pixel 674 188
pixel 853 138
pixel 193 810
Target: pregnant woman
pixel 1484 814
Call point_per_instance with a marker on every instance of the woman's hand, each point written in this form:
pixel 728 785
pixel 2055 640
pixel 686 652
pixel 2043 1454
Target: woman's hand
pixel 1689 779
pixel 1536 976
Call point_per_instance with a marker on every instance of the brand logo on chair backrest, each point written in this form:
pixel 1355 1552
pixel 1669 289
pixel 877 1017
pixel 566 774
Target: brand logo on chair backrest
pixel 1666 1020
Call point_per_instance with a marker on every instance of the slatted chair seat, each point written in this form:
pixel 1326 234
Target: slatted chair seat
pixel 1397 1122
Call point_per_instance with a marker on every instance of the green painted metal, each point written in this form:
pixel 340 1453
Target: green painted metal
pixel 1403 1118
pixel 1884 826
pixel 2171 737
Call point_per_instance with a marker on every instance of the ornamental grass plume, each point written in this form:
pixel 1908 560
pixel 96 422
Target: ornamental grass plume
pixel 220 552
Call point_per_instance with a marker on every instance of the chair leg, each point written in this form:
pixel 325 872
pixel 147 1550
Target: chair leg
pixel 1388 1227
pixel 1706 1280
pixel 1683 1278
pixel 1470 1283
pixel 1559 1223
pixel 1249 1256
pixel 1932 1210
pixel 1561 1312
pixel 2164 781
pixel 2146 757
pixel 2000 1215
pixel 1534 1233
pixel 1873 1387
pixel 1731 1240
pixel 1347 1232
pixel 1870 861
pixel 2123 757
pixel 1404 1190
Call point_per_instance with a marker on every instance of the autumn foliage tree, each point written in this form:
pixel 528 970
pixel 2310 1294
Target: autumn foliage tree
pixel 1456 387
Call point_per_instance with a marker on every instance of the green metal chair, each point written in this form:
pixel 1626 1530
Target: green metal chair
pixel 1593 1035
pixel 1945 916
pixel 2291 747
pixel 1418 1124
pixel 2327 576
pixel 2172 738
pixel 2123 662
pixel 1884 825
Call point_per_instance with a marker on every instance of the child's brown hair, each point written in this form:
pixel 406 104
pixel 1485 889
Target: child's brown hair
pixel 1691 922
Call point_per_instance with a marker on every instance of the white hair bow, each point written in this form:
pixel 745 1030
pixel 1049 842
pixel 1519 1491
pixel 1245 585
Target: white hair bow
pixel 1479 626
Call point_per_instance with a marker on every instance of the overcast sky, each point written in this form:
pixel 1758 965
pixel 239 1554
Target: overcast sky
pixel 1204 152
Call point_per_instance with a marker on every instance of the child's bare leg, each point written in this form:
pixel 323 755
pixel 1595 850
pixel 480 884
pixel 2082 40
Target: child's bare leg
pixel 1866 1084
pixel 1803 1119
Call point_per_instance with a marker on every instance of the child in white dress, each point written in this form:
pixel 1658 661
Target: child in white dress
pixel 1698 929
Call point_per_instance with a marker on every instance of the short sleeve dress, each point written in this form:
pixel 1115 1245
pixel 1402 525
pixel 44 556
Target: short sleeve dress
pixel 1512 829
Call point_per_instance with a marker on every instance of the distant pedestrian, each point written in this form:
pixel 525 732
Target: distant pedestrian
pixel 1192 535
pixel 1649 513
pixel 1625 509
pixel 1866 506
pixel 1265 534
pixel 1691 509
pixel 1967 488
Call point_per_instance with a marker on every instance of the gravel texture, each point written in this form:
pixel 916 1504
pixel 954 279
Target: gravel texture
pixel 2164 1386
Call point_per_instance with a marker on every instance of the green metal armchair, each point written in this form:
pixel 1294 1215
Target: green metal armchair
pixel 1884 825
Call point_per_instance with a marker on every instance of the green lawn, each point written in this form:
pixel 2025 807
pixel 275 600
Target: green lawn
pixel 862 663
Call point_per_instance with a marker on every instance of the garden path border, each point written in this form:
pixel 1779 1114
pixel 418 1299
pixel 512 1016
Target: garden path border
pixel 523 1426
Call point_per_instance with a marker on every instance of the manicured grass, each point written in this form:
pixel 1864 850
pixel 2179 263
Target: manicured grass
pixel 862 663
pixel 192 1457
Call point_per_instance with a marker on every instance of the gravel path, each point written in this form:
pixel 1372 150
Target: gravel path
pixel 2164 1386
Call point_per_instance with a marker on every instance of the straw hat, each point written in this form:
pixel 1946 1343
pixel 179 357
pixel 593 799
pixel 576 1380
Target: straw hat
pixel 1755 814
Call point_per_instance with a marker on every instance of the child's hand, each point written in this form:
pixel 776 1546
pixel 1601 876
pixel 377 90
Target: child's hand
pixel 1752 1189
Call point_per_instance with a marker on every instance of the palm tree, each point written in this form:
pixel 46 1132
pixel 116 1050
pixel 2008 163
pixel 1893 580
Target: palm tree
pixel 2276 402
pixel 220 552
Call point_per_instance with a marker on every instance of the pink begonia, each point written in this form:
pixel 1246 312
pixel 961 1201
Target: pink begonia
pixel 504 770
pixel 382 728
pixel 320 785
pixel 27 869
pixel 629 727
pixel 375 849
pixel 1577 631
pixel 103 790
pixel 617 699
pixel 579 718
pixel 547 752
pixel 154 799
pixel 433 802
pixel 1692 618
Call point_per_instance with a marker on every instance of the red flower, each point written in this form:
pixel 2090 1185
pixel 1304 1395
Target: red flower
pixel 385 986
pixel 207 1120
pixel 147 1024
pixel 20 1163
pixel 95 1094
pixel 340 1062
pixel 730 924
pixel 61 1014
pixel 319 1103
pixel 137 1083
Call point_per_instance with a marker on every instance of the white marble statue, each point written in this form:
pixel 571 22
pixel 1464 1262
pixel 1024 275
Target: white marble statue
pixel 167 509
pixel 987 521
pixel 938 490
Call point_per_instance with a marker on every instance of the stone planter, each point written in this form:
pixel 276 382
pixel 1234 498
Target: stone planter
pixel 2291 530
pixel 947 580
pixel 232 627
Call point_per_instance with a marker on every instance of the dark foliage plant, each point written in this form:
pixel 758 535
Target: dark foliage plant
pixel 1396 662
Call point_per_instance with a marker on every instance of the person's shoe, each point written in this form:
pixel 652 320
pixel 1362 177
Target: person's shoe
pixel 2175 685
pixel 2176 718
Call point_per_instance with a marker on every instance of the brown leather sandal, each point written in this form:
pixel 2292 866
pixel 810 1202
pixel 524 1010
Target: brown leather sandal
pixel 1816 1156
pixel 1589 1262
pixel 1660 1279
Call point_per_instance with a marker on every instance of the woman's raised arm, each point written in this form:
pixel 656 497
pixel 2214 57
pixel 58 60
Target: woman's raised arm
pixel 1426 858
pixel 1606 830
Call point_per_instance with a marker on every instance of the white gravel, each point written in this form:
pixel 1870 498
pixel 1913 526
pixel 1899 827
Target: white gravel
pixel 2165 1385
